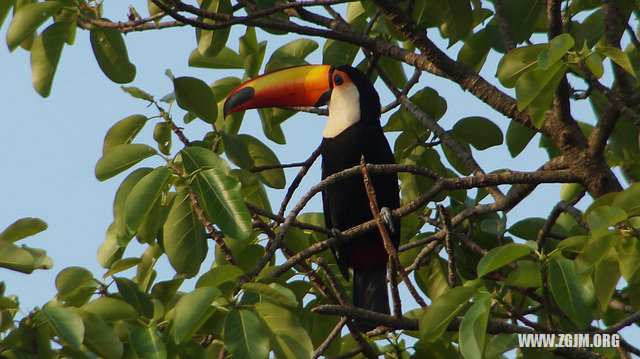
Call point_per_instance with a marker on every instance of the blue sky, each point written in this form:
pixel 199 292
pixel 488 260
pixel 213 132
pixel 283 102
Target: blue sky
pixel 50 146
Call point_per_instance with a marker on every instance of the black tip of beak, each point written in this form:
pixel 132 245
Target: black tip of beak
pixel 238 98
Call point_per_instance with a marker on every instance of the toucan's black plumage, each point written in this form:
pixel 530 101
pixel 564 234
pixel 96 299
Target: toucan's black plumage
pixel 353 129
pixel 346 203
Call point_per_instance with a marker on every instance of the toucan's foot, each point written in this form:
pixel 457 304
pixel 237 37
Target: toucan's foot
pixel 336 232
pixel 385 213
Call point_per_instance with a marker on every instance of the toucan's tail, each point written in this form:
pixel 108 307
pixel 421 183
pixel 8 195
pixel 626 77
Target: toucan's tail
pixel 370 292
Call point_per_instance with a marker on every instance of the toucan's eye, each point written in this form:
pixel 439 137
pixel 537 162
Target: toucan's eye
pixel 338 80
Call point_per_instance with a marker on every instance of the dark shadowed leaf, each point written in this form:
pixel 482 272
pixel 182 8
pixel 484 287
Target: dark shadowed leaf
pixel 120 158
pixel 244 336
pixel 518 137
pixel 474 51
pixel 195 96
pixel 111 53
pixel 338 53
pixel 132 294
pixel 480 132
pixel 23 228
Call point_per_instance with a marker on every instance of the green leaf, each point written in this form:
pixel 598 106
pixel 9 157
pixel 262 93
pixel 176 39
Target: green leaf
pixel 456 20
pixel 132 294
pixel 568 291
pixel 236 150
pixel 393 69
pixel 191 311
pixel 629 259
pixel 619 57
pixel 573 244
pixel 291 54
pixel 75 285
pixel 5 6
pixel 605 279
pixel 45 55
pixel 473 327
pixel 533 83
pixel 517 62
pixel 499 344
pixel 526 274
pixel 110 251
pixel 225 59
pixel 527 228
pixel 123 131
pixel 595 250
pixel 338 53
pixel 122 265
pixel 66 323
pixel 558 47
pixel 435 319
pixel 137 93
pixel 27 19
pixel 219 196
pixel 626 200
pixel 99 337
pixel 432 278
pixel 120 158
pixel 474 51
pixel 244 336
pixel 277 293
pixel 23 228
pixel 147 343
pixel 184 237
pixel 594 63
pixel 287 337
pixel 162 136
pixel 480 132
pixel 218 275
pixel 602 218
pixel 111 309
pixel 16 258
pixel 195 96
pixel 211 42
pixel 518 137
pixel 198 157
pixel 144 195
pixel 453 158
pixel 252 52
pixel 111 53
pixel 262 155
pixel 501 256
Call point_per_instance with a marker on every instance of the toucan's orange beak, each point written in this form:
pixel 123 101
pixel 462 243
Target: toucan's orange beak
pixel 306 85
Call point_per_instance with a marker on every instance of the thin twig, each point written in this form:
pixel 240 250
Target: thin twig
pixel 388 245
pixel 327 342
pixel 452 278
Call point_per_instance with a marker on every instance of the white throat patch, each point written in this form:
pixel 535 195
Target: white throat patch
pixel 344 109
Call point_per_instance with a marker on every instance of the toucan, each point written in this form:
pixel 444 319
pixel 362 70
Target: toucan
pixel 353 129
